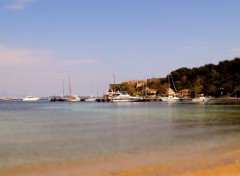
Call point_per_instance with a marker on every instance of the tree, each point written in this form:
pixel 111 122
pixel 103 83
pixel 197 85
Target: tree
pixel 210 79
pixel 132 91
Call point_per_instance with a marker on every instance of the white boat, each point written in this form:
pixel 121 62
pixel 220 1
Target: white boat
pixel 123 96
pixel 90 99
pixel 170 98
pixel 72 98
pixel 6 99
pixel 200 99
pixel 30 98
pixel 171 95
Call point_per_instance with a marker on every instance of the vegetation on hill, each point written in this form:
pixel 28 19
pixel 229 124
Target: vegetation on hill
pixel 222 79
pixel 214 80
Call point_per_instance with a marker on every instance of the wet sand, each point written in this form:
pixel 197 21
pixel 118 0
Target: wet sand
pixel 220 163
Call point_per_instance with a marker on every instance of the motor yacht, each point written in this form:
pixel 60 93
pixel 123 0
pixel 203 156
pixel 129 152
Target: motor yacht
pixel 170 98
pixel 30 98
pixel 123 96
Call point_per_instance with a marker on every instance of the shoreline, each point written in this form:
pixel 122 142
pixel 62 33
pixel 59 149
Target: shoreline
pixel 211 101
pixel 145 164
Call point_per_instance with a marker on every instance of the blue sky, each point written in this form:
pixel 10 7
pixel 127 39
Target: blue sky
pixel 43 42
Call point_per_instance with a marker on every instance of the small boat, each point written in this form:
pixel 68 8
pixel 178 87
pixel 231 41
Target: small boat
pixel 30 98
pixel 6 99
pixel 171 97
pixel 90 99
pixel 56 98
pixel 71 98
pixel 200 99
pixel 123 96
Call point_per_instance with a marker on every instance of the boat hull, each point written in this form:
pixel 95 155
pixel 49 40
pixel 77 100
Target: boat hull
pixel 30 99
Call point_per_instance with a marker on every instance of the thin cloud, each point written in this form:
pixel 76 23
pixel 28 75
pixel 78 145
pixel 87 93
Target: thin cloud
pixel 235 50
pixel 22 56
pixel 20 4
pixel 29 57
pixel 197 48
pixel 80 61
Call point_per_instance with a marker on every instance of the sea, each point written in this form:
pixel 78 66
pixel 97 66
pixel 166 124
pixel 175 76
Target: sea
pixel 49 132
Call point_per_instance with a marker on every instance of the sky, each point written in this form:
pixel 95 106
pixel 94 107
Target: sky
pixel 43 43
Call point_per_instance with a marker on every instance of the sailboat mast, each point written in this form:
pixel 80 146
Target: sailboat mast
pixel 114 84
pixel 174 85
pixel 146 91
pixel 169 81
pixel 70 91
pixel 169 85
pixel 63 88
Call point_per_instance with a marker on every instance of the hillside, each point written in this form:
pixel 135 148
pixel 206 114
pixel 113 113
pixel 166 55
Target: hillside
pixel 218 80
pixel 215 80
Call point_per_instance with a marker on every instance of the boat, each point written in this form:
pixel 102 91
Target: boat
pixel 200 99
pixel 90 99
pixel 171 96
pixel 30 98
pixel 71 97
pixel 6 98
pixel 123 96
pixel 56 98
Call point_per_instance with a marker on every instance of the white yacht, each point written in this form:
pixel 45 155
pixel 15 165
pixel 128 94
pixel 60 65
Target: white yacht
pixel 200 99
pixel 123 96
pixel 72 98
pixel 90 99
pixel 170 98
pixel 30 98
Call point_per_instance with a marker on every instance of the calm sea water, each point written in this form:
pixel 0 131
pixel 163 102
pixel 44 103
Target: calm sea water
pixel 55 131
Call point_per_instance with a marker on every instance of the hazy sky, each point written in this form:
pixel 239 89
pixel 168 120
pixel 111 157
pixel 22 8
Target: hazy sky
pixel 43 42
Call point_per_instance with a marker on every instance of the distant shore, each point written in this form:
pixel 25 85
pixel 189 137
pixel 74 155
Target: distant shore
pixel 211 101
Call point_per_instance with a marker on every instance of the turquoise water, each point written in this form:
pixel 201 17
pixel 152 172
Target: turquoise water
pixel 55 131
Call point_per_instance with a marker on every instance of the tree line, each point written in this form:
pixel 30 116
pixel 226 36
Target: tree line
pixel 222 79
pixel 218 80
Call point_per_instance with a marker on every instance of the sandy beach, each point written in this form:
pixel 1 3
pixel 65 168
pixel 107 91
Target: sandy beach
pixel 146 164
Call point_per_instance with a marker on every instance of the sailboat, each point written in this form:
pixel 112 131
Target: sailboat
pixel 91 98
pixel 71 97
pixel 171 95
pixel 6 98
pixel 58 98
